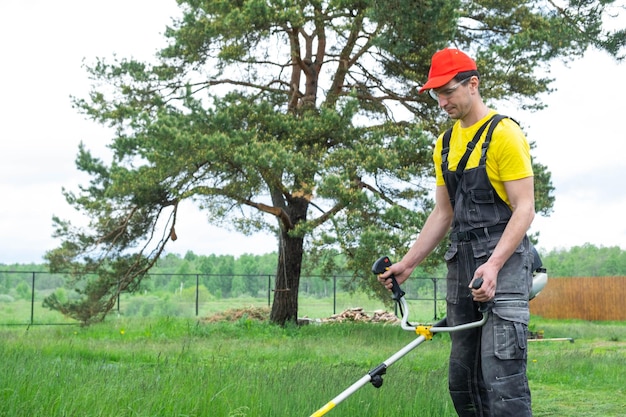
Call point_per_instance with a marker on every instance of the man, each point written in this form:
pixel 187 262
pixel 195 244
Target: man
pixel 487 207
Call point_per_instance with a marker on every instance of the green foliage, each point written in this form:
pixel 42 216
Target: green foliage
pixel 319 267
pixel 61 295
pixel 6 298
pixel 586 261
pixel 292 117
pixel 23 291
pixel 153 306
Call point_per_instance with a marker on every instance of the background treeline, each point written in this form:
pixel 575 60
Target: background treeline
pixel 579 261
pixel 179 281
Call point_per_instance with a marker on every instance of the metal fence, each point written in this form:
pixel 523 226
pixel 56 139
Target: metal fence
pixel 199 295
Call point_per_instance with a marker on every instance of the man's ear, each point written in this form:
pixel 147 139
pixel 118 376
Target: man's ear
pixel 474 83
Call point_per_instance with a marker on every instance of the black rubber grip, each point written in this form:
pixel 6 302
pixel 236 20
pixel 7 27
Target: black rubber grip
pixel 380 266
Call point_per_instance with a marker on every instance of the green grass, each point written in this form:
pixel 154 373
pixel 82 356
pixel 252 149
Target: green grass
pixel 187 367
pixel 137 305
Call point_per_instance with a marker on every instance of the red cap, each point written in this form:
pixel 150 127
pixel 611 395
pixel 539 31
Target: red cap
pixel 445 65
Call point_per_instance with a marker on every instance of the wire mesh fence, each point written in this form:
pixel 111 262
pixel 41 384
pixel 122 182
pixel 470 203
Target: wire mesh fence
pixel 201 295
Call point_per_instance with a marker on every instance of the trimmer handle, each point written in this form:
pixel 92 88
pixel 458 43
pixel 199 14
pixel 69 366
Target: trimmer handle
pixel 478 282
pixel 380 266
pixel 482 307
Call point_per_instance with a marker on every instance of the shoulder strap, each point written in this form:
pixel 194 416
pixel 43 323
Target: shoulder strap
pixel 495 121
pixel 472 144
pixel 445 148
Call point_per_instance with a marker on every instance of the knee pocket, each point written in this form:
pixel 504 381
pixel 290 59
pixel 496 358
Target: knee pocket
pixel 513 396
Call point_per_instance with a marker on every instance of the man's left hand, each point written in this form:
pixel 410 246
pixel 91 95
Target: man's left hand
pixel 487 291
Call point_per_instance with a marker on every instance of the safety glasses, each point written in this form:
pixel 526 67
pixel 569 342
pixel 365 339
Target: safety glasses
pixel 447 93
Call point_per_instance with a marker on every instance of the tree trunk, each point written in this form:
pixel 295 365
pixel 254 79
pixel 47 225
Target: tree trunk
pixel 285 305
pixel 290 253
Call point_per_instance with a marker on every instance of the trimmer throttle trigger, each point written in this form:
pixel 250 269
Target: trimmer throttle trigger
pixel 380 266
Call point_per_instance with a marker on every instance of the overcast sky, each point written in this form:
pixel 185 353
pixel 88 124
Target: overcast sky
pixel 580 136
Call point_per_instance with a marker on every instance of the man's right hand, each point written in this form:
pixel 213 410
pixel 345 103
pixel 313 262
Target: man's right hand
pixel 399 270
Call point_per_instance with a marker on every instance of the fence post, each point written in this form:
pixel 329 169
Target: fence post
pixel 197 292
pixel 32 300
pixel 435 297
pixel 269 290
pixel 334 294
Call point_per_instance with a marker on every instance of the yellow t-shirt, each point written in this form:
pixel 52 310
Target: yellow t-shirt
pixel 508 155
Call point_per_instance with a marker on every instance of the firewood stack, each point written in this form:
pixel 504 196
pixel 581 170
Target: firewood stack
pixel 357 314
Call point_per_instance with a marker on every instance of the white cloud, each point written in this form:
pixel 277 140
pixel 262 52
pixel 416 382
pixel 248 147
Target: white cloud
pixel 580 140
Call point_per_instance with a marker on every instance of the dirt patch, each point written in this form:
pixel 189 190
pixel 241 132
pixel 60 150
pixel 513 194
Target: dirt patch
pixel 235 314
pixel 263 314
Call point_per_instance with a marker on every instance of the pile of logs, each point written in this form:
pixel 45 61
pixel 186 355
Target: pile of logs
pixel 357 314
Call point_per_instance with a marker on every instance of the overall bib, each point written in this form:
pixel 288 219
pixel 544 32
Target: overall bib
pixel 487 374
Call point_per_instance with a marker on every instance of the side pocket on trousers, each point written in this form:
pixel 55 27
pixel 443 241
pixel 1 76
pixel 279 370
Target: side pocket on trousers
pixel 510 340
pixel 452 281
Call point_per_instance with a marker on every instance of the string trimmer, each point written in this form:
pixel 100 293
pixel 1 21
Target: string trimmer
pixel 375 376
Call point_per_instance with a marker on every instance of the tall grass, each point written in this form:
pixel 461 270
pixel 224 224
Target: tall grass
pixel 187 367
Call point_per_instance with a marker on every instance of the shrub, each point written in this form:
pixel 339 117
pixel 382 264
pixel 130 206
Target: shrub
pixel 6 298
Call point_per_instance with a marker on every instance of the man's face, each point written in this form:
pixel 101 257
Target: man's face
pixel 454 97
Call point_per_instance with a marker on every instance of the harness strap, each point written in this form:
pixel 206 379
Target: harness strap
pixel 492 122
pixel 495 120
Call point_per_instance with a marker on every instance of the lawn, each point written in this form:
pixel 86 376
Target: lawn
pixel 247 367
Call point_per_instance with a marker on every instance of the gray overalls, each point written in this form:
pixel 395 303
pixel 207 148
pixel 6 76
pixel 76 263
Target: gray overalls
pixel 487 374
